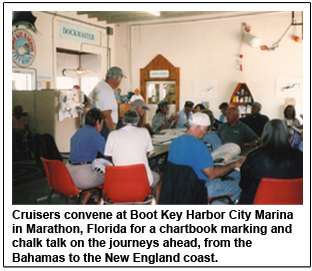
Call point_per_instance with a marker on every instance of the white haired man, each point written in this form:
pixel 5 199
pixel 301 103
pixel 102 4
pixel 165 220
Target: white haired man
pixel 131 145
pixel 103 98
pixel 189 150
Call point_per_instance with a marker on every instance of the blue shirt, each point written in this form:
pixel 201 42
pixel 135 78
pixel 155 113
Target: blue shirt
pixel 183 118
pixel 222 118
pixel 213 139
pixel 85 144
pixel 118 97
pixel 189 151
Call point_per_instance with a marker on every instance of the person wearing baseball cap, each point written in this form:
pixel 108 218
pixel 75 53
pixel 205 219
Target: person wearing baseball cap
pixel 189 150
pixel 255 120
pixel 184 114
pixel 136 96
pixel 161 120
pixel 103 98
pixel 140 107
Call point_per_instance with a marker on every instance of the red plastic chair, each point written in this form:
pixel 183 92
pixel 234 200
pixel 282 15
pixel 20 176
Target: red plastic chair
pixel 60 181
pixel 126 185
pixel 279 192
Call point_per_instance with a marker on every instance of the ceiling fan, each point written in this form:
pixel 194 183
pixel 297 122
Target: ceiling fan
pixel 79 70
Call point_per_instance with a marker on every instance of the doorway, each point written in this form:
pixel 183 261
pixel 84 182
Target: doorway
pixel 157 91
pixel 160 80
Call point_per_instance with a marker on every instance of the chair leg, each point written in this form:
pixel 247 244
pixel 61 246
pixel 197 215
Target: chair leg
pixel 49 196
pixel 157 190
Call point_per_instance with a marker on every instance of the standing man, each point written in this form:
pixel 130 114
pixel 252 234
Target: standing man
pixel 161 120
pixel 103 98
pixel 184 114
pixel 237 132
pixel 256 121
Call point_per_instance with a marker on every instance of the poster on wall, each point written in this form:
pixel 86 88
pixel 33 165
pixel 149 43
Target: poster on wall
pixel 288 87
pixel 205 89
pixel 70 104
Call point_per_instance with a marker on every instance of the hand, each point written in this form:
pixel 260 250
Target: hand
pixel 174 117
pixel 239 162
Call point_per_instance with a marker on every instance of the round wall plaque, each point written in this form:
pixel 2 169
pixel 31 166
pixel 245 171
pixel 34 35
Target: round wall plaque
pixel 23 48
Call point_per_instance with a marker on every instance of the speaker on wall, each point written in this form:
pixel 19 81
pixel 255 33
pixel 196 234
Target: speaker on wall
pixel 109 31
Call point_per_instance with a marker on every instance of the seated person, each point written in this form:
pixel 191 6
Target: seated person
pixel 20 131
pixel 141 107
pixel 198 108
pixel 84 147
pixel 117 96
pixel 189 150
pixel 136 96
pixel 161 120
pixel 211 137
pixel 214 123
pixel 223 107
pixel 273 159
pixel 130 145
pixel 290 119
pixel 234 131
pixel 184 114
pixel 255 120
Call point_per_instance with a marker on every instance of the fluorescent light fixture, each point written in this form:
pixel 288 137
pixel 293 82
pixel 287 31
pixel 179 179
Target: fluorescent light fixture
pixel 155 13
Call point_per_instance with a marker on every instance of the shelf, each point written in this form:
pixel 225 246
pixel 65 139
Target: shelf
pixel 241 87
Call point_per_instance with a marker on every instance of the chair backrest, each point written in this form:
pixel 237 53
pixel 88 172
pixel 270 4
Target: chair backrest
pixel 49 148
pixel 279 192
pixel 126 184
pixel 59 178
pixel 181 185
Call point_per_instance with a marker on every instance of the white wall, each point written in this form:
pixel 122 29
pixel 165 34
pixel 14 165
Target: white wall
pixel 209 50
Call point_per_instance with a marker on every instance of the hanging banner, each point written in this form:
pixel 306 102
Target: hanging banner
pixel 78 33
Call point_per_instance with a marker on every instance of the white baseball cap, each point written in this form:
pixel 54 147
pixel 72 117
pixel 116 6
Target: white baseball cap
pixel 200 119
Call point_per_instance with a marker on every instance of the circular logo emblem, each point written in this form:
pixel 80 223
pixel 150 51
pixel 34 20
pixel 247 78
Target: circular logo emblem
pixel 23 48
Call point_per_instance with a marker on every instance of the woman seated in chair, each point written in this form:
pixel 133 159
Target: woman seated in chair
pixel 84 147
pixel 274 159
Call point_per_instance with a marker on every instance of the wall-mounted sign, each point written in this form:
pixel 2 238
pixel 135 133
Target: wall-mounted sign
pixel 78 33
pixel 23 48
pixel 159 73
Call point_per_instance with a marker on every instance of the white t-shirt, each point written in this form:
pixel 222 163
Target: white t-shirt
pixel 129 146
pixel 103 98
pixel 136 97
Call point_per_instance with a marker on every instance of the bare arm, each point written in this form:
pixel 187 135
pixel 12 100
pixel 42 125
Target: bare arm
pixel 214 172
pixel 173 117
pixel 254 143
pixel 108 119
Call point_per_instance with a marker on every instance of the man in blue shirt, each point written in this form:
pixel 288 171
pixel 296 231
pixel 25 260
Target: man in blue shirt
pixel 189 150
pixel 184 114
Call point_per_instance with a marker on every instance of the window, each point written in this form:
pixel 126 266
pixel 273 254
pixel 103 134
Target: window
pixel 23 79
